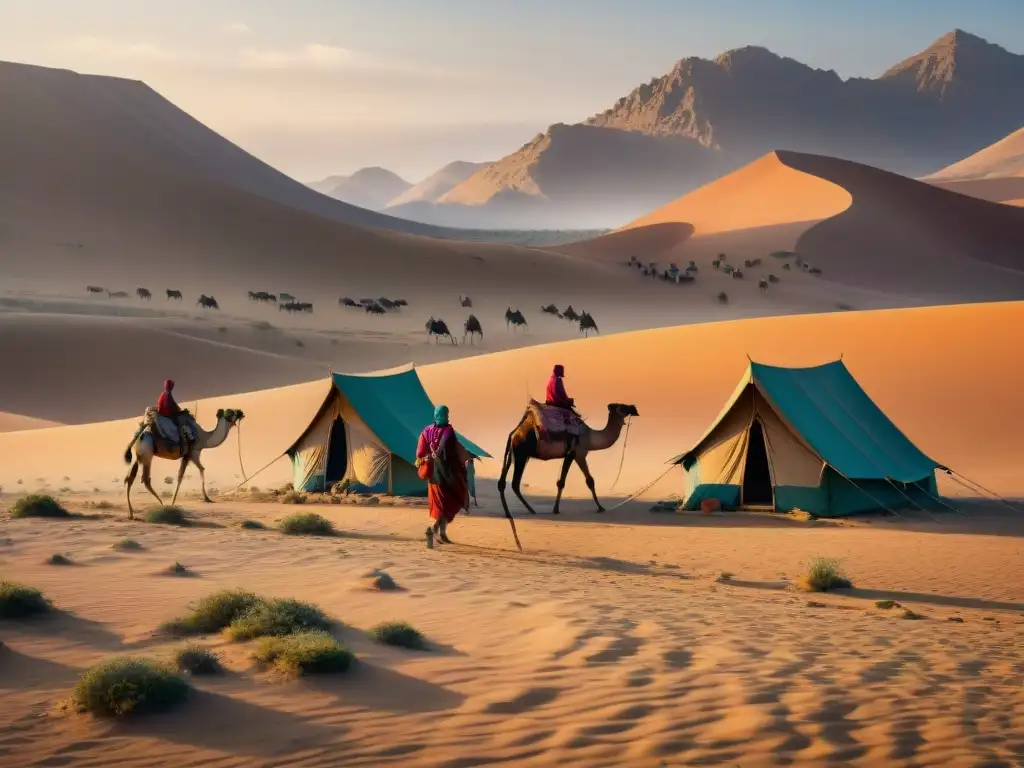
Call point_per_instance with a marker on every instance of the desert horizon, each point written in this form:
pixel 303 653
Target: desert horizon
pixel 735 361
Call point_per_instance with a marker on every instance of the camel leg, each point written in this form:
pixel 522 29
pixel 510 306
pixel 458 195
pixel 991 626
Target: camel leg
pixel 581 462
pixel 128 481
pixel 182 466
pixel 202 478
pixel 517 476
pixel 570 456
pixel 146 481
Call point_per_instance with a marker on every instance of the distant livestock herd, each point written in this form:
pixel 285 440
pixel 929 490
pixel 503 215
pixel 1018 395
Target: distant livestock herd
pixel 286 302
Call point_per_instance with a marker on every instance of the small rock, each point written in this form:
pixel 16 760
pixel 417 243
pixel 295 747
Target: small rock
pixel 955 619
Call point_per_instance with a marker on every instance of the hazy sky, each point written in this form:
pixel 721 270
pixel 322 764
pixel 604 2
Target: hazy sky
pixel 328 86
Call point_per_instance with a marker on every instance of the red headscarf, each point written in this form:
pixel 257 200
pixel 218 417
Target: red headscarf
pixel 168 385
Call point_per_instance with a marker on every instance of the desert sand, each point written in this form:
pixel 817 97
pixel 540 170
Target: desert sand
pixel 995 173
pixel 609 640
pixel 864 228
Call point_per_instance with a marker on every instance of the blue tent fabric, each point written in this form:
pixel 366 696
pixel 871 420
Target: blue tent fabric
pixel 828 408
pixel 396 407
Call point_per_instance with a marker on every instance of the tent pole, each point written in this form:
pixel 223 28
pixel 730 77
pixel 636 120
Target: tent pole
pixel 391 474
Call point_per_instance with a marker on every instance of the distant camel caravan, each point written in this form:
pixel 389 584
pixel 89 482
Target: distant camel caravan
pixel 296 306
pixel 515 320
pixel 438 328
pixel 375 309
pixel 571 314
pixel 465 301
pixel 176 295
pixel 149 442
pixel 471 326
pixel 262 296
pixel 587 324
pixel 143 293
pixel 207 302
pixel 551 309
pixel 532 440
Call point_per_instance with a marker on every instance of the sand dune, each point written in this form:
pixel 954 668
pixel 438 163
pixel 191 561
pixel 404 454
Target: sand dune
pixel 609 640
pixel 1004 159
pixel 14 422
pixel 919 364
pixel 861 226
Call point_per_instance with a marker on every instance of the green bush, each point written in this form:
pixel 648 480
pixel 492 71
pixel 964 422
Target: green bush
pixel 193 660
pixel 213 613
pixel 128 686
pixel 305 653
pixel 276 618
pixel 307 524
pixel 18 601
pixel 400 634
pixel 128 545
pixel 177 570
pixel 38 505
pixel 168 516
pixel 824 574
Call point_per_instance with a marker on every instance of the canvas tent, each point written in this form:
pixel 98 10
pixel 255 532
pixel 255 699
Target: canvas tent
pixel 366 432
pixel 807 438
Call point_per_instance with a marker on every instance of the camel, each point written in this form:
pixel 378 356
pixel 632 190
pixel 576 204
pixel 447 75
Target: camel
pixel 571 314
pixel 723 298
pixel 762 285
pixel 437 329
pixel 471 326
pixel 374 309
pixel 515 319
pixel 387 303
pixel 551 309
pixel 172 294
pixel 587 324
pixel 95 289
pixel 143 293
pixel 148 445
pixel 207 302
pixel 465 301
pixel 773 279
pixel 525 443
pixel 347 302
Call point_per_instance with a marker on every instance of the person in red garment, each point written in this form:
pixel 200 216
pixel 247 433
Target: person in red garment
pixel 556 394
pixel 167 406
pixel 441 461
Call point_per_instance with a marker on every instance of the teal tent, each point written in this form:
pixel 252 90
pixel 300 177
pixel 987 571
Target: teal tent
pixel 807 438
pixel 366 433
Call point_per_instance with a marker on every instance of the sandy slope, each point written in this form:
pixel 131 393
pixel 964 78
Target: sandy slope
pixel 608 641
pixel 995 173
pixel 14 422
pixel 921 366
pixel 861 226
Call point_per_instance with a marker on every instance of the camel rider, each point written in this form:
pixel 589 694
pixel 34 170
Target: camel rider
pixel 556 395
pixel 167 406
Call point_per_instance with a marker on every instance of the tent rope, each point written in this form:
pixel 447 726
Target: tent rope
pixel 241 466
pixel 959 478
pixel 643 490
pixel 257 474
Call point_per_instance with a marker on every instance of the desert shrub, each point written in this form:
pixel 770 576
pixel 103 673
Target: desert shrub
pixel 886 605
pixel 380 581
pixel 725 576
pixel 305 653
pixel 213 613
pixel 38 505
pixel 102 504
pixel 128 545
pixel 400 634
pixel 293 497
pixel 18 601
pixel 252 525
pixel 177 570
pixel 911 615
pixel 194 660
pixel 168 516
pixel 824 573
pixel 307 524
pixel 275 618
pixel 59 559
pixel 128 686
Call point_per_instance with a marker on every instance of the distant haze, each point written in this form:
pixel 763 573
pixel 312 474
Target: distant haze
pixel 317 88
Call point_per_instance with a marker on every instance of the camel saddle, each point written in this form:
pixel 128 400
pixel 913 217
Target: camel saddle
pixel 167 429
pixel 554 423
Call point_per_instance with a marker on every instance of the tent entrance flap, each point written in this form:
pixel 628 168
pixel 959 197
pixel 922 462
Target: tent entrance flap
pixel 337 453
pixel 757 476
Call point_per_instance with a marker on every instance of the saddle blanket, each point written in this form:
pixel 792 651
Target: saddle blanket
pixel 167 428
pixel 554 421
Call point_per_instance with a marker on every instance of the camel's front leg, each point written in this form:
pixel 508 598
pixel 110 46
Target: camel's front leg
pixel 147 481
pixel 182 466
pixel 128 481
pixel 581 462
pixel 566 463
pixel 202 477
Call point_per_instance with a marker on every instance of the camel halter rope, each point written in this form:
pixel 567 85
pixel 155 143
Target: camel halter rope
pixel 241 466
pixel 622 457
